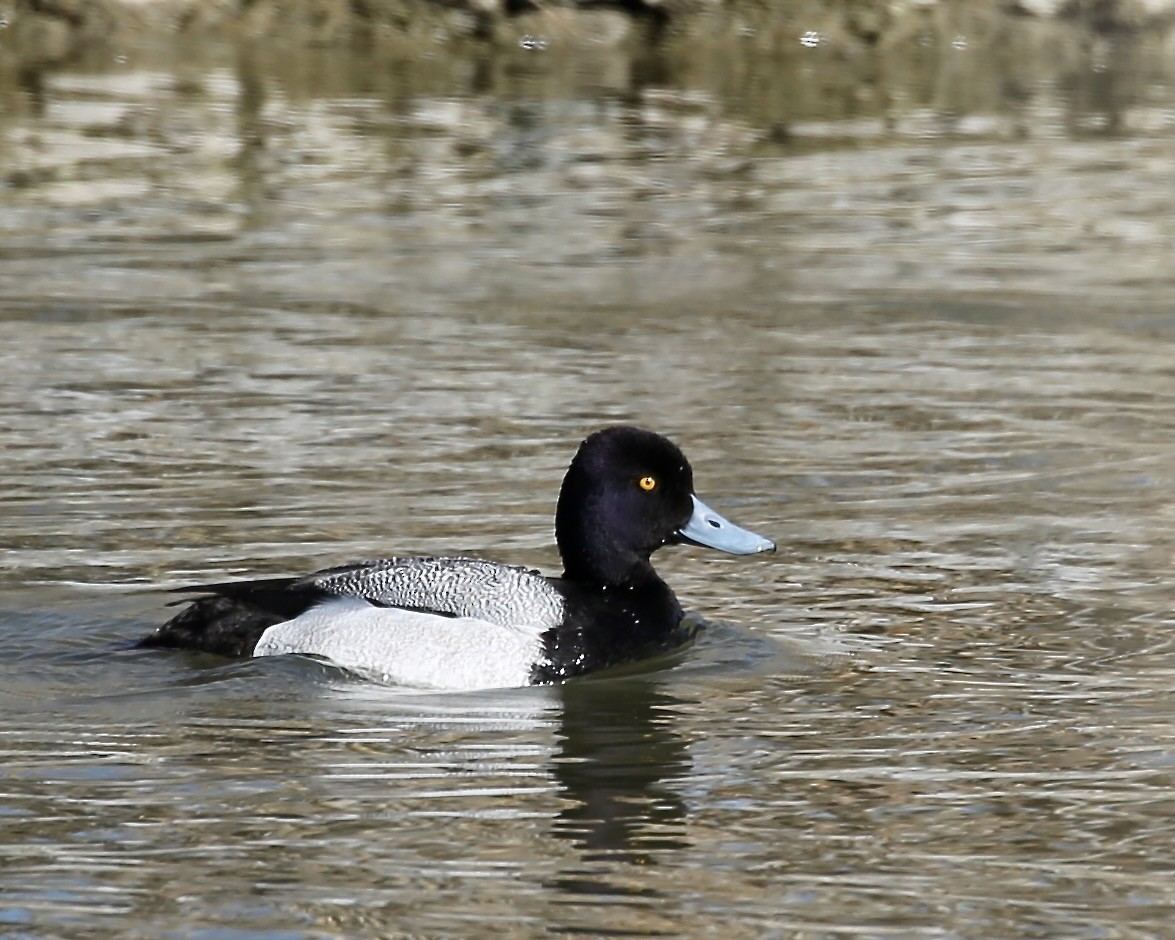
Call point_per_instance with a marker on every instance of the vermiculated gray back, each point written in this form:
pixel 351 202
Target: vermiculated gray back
pixel 465 587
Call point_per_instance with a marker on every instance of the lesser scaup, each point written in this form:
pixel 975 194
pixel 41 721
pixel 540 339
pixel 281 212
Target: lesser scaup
pixel 465 623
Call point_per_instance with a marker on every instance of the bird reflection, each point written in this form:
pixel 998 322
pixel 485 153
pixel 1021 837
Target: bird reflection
pixel 618 755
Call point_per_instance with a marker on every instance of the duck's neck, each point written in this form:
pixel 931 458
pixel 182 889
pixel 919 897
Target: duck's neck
pixel 593 555
pixel 597 563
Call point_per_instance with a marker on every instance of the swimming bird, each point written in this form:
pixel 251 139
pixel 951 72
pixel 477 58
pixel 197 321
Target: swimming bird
pixel 467 623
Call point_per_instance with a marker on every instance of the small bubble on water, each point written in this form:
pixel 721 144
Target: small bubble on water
pixel 959 42
pixel 3 21
pixel 810 39
pixel 530 42
pixel 925 39
pixel 120 59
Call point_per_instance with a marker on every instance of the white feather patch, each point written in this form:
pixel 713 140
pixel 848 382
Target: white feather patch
pixel 407 647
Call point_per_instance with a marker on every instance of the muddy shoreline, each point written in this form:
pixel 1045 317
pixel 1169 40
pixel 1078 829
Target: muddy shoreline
pixel 45 33
pixel 727 156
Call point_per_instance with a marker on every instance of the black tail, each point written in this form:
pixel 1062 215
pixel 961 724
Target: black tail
pixel 230 618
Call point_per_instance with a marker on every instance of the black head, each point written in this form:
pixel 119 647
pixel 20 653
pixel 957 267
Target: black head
pixel 626 493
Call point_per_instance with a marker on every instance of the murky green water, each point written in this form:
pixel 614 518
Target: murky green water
pixel 247 327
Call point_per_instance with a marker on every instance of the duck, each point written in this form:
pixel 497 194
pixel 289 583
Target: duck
pixel 464 623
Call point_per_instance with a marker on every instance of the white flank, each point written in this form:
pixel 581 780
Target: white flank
pixel 406 647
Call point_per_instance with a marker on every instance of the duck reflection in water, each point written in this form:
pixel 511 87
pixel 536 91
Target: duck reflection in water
pixel 618 758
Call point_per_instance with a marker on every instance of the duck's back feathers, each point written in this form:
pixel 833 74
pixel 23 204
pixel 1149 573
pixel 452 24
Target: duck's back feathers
pixel 461 587
pixel 232 616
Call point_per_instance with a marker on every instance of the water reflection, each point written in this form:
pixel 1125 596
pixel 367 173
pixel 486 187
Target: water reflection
pixel 618 756
pixel 618 760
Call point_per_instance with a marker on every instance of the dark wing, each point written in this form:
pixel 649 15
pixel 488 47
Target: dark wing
pixel 230 618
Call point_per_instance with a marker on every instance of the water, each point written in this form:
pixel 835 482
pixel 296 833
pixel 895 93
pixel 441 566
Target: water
pixel 250 330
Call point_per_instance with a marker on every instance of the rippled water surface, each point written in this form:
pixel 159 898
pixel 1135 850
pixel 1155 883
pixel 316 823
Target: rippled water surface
pixel 248 329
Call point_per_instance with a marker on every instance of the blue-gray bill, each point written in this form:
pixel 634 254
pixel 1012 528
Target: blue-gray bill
pixel 708 528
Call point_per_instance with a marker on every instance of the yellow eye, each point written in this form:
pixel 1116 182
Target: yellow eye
pixel 648 484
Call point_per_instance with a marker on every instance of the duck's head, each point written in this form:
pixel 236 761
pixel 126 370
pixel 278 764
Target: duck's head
pixel 627 493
